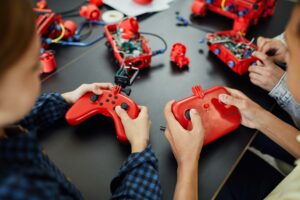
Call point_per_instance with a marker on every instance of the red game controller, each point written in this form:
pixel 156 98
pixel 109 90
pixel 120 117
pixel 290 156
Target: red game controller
pixel 90 104
pixel 217 118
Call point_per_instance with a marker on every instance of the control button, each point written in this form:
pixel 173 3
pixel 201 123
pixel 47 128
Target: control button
pixel 115 97
pixel 124 106
pixel 113 102
pixel 94 98
pixel 101 104
pixel 107 100
pixel 206 106
pixel 110 95
pixel 187 114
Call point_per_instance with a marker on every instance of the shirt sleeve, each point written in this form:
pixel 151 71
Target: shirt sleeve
pixel 48 109
pixel 19 187
pixel 138 178
pixel 284 98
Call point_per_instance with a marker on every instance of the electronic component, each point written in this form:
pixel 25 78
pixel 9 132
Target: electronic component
pixel 233 49
pixel 177 55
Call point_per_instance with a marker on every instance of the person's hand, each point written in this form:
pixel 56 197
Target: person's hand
pixel 250 111
pixel 73 96
pixel 136 130
pixel 267 45
pixel 186 145
pixel 265 74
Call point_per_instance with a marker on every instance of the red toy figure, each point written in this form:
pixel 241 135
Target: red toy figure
pixel 143 2
pixel 128 46
pixel 177 55
pixel 90 104
pixel 243 12
pixel 97 3
pixel 90 12
pixel 48 61
pixel 233 49
pixel 217 118
pixel 71 28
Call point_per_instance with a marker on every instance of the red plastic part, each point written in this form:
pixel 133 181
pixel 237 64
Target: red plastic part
pixel 48 62
pixel 105 105
pixel 143 2
pixel 140 62
pixel 240 65
pixel 71 28
pixel 254 10
pixel 41 4
pixel 90 12
pixel 129 27
pixel 97 3
pixel 177 55
pixel 217 118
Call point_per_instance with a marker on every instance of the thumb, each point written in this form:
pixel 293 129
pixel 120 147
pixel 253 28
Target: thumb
pixel 122 113
pixel 196 120
pixel 230 100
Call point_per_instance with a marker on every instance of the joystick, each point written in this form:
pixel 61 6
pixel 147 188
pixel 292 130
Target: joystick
pixel 217 118
pixel 91 104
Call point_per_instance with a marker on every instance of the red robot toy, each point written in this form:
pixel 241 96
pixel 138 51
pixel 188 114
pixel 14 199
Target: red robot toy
pixel 177 55
pixel 233 49
pixel 129 47
pixel 243 12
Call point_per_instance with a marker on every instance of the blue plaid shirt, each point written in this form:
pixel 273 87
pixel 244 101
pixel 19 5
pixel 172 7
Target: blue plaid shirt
pixel 27 173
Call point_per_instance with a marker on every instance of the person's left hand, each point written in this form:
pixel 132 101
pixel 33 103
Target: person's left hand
pixel 73 96
pixel 265 74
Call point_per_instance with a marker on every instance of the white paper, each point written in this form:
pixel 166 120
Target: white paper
pixel 132 9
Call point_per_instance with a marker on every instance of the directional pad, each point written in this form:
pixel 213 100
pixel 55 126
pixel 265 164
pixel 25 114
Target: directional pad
pixel 94 98
pixel 124 106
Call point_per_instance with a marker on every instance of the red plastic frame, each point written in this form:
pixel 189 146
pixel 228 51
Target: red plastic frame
pixel 142 61
pixel 255 10
pixel 217 118
pixel 240 65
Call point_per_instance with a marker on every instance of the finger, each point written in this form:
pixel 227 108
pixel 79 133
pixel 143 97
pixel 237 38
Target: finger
pixel 256 82
pixel 230 100
pixel 105 85
pixel 255 75
pixel 235 93
pixel 196 120
pixel 143 111
pixel 261 41
pixel 256 69
pixel 263 57
pixel 122 114
pixel 172 123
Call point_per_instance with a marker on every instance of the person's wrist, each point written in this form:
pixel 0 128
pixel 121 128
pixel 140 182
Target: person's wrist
pixel 188 166
pixel 261 121
pixel 66 97
pixel 139 146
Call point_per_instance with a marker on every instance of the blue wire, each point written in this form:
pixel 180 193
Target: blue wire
pixel 81 44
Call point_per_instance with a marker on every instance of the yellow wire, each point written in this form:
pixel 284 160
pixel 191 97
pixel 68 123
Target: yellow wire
pixel 63 30
pixel 223 4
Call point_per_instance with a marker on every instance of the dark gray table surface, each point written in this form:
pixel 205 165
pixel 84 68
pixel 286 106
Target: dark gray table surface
pixel 90 155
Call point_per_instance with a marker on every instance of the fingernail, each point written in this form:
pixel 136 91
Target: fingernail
pixel 117 109
pixel 194 111
pixel 222 97
pixel 254 52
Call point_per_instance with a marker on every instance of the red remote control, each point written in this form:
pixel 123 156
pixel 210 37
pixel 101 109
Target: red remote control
pixel 91 104
pixel 217 118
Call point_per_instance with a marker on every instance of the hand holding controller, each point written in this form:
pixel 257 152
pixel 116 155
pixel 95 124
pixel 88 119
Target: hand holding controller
pixel 217 118
pixel 90 104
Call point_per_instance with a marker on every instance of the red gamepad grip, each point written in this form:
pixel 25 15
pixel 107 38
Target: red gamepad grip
pixel 217 118
pixel 90 104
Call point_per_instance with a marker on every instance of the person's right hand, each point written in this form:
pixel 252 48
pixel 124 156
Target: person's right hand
pixel 250 111
pixel 137 130
pixel 186 145
pixel 266 45
pixel 265 74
